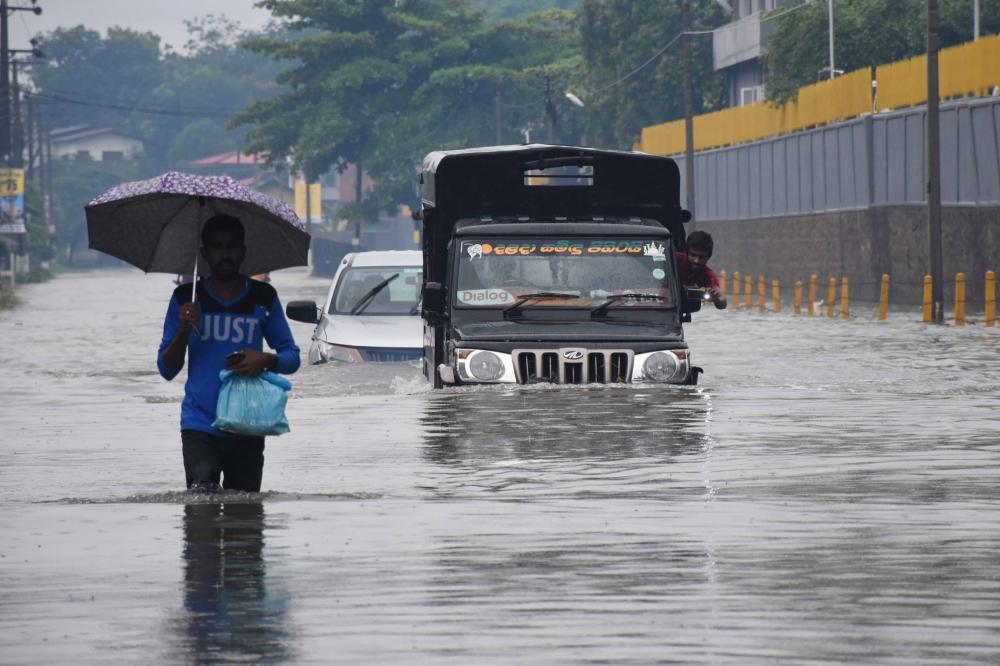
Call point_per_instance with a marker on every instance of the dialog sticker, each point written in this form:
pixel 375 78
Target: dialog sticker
pixel 485 297
pixel 658 273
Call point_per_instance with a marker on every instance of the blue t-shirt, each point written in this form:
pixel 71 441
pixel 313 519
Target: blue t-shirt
pixel 224 327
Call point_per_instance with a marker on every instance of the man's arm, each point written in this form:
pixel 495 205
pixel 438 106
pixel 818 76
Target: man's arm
pixel 278 336
pixel 177 327
pixel 716 295
pixel 714 292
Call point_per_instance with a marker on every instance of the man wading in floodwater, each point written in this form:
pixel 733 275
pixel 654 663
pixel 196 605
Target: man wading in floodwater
pixel 230 319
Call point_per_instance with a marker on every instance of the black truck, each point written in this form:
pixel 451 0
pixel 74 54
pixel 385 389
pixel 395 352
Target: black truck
pixel 547 263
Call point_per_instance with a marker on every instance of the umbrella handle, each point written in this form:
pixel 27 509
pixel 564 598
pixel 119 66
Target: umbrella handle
pixel 194 279
pixel 194 273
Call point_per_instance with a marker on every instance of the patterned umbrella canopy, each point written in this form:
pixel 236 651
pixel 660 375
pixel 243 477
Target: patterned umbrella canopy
pixel 156 224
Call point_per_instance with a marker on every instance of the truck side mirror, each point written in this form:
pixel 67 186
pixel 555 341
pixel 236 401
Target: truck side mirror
pixel 304 311
pixel 694 298
pixel 433 300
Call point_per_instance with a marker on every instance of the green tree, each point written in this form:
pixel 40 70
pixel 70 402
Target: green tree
pixel 381 84
pixel 633 66
pixel 87 79
pixel 357 68
pixel 177 103
pixel 866 33
pixel 509 9
pixel 213 79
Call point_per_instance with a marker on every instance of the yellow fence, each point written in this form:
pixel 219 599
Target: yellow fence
pixel 968 69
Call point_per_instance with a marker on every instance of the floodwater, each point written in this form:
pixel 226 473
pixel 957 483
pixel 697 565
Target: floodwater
pixel 830 493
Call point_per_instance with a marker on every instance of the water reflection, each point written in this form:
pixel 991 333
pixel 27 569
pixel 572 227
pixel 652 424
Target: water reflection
pixel 230 616
pixel 564 423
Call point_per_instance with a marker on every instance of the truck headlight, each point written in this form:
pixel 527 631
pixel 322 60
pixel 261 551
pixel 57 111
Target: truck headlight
pixel 660 366
pixel 485 366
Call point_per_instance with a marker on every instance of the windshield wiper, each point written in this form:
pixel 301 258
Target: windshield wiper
pixel 603 307
pixel 521 300
pixel 366 300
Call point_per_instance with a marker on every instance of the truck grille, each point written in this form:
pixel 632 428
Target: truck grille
pixel 572 366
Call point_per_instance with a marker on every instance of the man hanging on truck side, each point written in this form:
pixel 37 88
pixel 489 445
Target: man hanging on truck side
pixel 693 269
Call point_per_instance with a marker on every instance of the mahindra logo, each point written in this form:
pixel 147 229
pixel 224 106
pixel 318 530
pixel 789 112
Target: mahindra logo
pixel 573 354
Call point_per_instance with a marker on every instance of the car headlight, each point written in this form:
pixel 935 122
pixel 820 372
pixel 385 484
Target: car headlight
pixel 486 366
pixel 329 352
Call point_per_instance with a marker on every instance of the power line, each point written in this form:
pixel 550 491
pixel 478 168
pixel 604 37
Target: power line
pixel 186 113
pixel 778 14
pixel 639 68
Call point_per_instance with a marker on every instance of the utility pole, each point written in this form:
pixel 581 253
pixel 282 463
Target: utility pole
pixel 550 111
pixel 6 121
pixel 309 216
pixel 829 11
pixel 498 110
pixel 17 127
pixel 934 165
pixel 975 19
pixel 5 129
pixel 359 195
pixel 29 134
pixel 688 109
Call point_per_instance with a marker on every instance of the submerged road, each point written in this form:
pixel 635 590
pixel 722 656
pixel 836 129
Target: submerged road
pixel 830 493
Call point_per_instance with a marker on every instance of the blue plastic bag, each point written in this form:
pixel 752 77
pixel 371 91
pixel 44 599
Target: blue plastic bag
pixel 252 405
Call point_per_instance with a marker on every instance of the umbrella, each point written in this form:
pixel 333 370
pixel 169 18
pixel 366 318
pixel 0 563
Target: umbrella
pixel 155 224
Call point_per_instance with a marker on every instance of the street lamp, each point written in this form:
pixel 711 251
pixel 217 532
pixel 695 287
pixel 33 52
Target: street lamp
pixel 574 99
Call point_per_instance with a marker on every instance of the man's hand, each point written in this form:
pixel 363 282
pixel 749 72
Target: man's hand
pixel 187 314
pixel 717 297
pixel 253 362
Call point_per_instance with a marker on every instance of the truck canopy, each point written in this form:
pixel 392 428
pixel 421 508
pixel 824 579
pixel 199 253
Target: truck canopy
pixel 544 183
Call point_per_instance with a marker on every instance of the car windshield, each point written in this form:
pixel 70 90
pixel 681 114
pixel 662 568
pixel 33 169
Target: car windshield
pixel 497 273
pixel 398 295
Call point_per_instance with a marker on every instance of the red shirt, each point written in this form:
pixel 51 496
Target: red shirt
pixel 704 277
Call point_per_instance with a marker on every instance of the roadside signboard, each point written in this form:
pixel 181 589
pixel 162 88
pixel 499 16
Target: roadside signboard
pixel 12 201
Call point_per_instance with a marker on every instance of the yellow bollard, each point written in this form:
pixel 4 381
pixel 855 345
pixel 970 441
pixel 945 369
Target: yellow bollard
pixel 927 300
pixel 831 296
pixel 990 314
pixel 959 299
pixel 761 294
pixel 810 304
pixel 736 290
pixel 776 296
pixel 748 290
pixel 722 283
pixel 798 297
pixel 845 309
pixel 883 298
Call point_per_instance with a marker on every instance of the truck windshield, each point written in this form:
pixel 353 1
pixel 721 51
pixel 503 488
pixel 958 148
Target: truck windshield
pixel 495 273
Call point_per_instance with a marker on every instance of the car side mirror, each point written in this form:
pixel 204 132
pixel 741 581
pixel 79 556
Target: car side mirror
pixel 432 297
pixel 304 311
pixel 694 298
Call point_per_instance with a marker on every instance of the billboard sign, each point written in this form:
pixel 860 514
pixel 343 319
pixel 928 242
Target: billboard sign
pixel 12 201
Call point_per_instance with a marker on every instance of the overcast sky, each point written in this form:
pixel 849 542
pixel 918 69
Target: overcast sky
pixel 164 17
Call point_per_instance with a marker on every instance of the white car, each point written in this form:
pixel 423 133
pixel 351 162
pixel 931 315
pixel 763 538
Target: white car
pixel 372 311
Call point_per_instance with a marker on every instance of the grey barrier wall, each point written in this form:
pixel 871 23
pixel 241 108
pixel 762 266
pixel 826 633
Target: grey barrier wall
pixel 876 160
